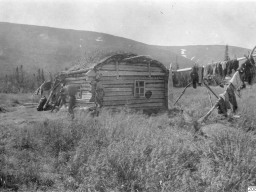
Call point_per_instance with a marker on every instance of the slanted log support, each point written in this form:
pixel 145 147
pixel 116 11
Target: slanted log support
pixel 182 93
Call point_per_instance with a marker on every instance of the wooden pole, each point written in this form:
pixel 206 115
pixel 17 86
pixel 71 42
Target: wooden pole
pixel 202 119
pixel 50 96
pixel 182 93
pixel 210 90
pixel 170 89
pixel 209 95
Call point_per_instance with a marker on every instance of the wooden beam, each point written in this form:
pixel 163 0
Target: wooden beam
pixel 170 89
pixel 131 97
pixel 134 101
pixel 129 73
pixel 150 105
pixel 75 78
pixel 182 93
pixel 202 119
pixel 76 72
pixel 210 90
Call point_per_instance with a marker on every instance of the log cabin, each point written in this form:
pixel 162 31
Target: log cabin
pixel 120 80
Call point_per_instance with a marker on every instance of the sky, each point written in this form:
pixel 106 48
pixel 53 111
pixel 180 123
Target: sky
pixel 156 22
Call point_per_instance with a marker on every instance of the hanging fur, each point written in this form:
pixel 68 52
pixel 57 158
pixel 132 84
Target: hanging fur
pixel 194 76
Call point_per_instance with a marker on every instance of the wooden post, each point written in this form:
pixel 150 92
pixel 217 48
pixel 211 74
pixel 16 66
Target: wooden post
pixel 170 89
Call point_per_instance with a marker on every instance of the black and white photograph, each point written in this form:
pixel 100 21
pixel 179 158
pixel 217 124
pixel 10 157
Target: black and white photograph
pixel 127 95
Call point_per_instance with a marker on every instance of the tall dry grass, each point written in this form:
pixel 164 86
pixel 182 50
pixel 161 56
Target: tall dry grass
pixel 132 152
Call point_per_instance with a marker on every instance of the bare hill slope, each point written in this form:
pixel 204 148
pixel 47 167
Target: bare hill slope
pixel 54 49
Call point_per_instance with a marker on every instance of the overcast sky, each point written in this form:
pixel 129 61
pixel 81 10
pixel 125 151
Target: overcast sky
pixel 158 22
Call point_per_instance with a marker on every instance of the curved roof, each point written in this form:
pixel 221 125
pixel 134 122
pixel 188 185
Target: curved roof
pixel 130 58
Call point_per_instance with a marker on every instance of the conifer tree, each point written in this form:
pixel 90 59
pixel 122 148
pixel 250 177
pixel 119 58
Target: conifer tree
pixel 226 57
pixel 42 75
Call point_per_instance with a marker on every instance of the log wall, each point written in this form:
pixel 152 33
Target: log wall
pixel 118 82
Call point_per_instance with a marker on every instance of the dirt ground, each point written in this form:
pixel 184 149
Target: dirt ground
pixel 24 115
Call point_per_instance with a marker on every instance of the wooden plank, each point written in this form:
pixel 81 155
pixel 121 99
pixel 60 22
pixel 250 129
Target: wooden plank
pixel 131 97
pixel 114 93
pixel 77 72
pixel 131 102
pixel 131 85
pixel 117 89
pixel 129 73
pixel 150 105
pixel 129 81
pixel 151 85
pixel 154 88
pixel 131 68
pixel 132 78
pixel 75 78
pixel 83 101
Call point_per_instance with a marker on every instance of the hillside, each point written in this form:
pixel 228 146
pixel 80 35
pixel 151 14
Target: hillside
pixel 54 49
pixel 206 53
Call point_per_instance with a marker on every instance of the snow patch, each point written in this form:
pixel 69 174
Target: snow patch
pixel 43 36
pixel 183 52
pixel 99 39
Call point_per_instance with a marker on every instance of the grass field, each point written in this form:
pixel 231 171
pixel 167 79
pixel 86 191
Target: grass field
pixel 120 152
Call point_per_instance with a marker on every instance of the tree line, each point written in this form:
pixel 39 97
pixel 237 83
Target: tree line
pixel 22 81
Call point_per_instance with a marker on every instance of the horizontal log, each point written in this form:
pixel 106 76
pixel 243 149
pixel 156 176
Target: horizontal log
pixel 118 108
pixel 130 73
pixel 114 93
pixel 131 97
pixel 75 78
pixel 131 68
pixel 134 101
pixel 77 72
pixel 149 105
pixel 131 85
pixel 140 64
pixel 150 85
pixel 83 101
pixel 118 89
pixel 131 78
pixel 128 81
